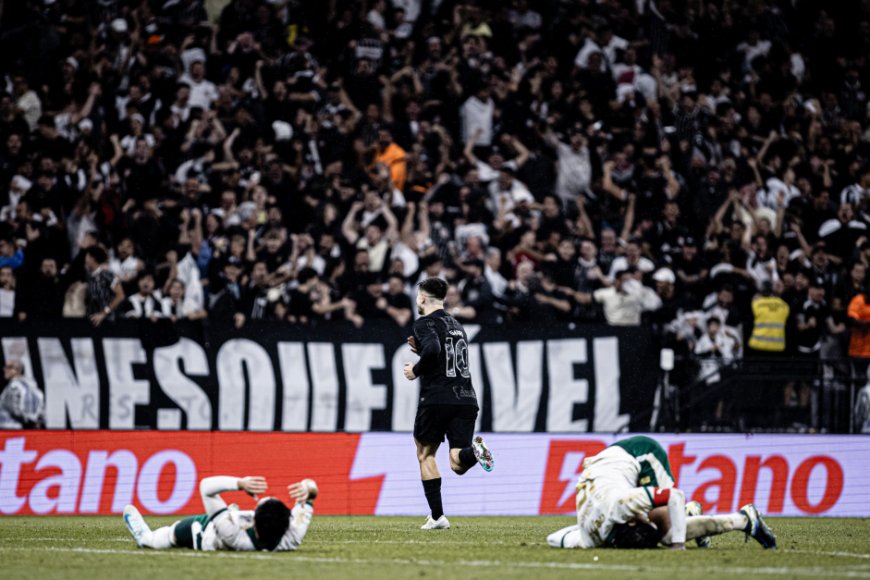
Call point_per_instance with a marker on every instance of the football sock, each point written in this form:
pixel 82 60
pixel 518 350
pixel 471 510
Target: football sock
pixel 159 539
pixel 569 537
pixel 699 526
pixel 466 457
pixel 432 489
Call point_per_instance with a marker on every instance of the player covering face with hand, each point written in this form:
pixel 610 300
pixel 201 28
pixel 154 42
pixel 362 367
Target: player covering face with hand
pixel 448 403
pixel 626 499
pixel 271 526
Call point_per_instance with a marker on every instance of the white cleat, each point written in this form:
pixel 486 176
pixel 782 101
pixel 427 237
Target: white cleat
pixel 482 453
pixel 137 526
pixel 439 524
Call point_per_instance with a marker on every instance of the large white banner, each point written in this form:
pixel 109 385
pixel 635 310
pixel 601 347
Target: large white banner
pixel 789 475
pixel 90 472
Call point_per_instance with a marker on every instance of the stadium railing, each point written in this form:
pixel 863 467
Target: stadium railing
pixel 763 394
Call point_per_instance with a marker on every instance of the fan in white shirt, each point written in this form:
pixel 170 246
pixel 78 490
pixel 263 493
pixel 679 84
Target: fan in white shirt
pixel 18 187
pixel 604 42
pixel 629 73
pixel 760 264
pixel 752 48
pixel 203 92
pixel 477 114
pixel 625 301
pixel 177 305
pixel 509 191
pixel 778 191
pixel 492 272
pixel 489 170
pixel 145 303
pixel 7 292
pixel 632 258
pixel 125 265
pixel 574 174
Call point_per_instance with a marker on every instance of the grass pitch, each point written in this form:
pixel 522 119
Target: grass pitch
pixel 384 548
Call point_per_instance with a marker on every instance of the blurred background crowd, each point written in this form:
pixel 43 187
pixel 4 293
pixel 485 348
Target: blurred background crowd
pixel 699 166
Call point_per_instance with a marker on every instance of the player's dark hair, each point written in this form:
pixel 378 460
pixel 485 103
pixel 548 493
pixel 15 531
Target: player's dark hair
pixel 271 520
pixel 637 537
pixel 435 287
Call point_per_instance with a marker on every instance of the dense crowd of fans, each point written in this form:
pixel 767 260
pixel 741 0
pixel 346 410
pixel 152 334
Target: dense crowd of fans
pixel 560 161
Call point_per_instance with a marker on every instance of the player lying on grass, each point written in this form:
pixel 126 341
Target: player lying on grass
pixel 271 526
pixel 626 499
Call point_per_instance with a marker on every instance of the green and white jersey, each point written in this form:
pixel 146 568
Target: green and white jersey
pixel 617 485
pixel 233 529
pixel 227 528
pixel 655 469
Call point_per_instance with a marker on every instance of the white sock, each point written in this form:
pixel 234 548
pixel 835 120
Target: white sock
pixel 677 513
pixel 700 526
pixel 159 539
pixel 565 538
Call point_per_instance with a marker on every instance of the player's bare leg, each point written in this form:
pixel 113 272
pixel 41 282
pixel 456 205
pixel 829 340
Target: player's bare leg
pixel 426 457
pixel 456 464
pixel 431 478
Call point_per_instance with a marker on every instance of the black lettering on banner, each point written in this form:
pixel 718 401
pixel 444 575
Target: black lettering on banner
pixel 271 377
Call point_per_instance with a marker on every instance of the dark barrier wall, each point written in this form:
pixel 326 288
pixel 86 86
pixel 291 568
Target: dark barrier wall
pixel 275 377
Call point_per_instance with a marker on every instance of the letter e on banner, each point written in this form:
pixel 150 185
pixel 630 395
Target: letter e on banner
pixel 564 463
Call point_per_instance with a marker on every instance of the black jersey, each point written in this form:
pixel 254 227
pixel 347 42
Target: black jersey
pixel 445 377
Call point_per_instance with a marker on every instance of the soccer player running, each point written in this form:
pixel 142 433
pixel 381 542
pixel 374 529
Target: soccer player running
pixel 271 526
pixel 448 403
pixel 626 499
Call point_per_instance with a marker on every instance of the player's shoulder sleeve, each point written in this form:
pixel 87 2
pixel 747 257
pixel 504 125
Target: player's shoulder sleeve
pixel 425 326
pixel 425 330
pixel 231 533
pixel 655 469
pixel 300 519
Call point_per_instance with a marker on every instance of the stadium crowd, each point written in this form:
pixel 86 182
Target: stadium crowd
pixel 622 161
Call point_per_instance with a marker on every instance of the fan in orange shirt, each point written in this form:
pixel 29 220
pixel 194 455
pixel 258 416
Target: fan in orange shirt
pixel 859 318
pixel 393 157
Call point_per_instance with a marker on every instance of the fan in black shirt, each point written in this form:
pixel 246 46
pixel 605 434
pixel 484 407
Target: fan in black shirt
pixel 448 403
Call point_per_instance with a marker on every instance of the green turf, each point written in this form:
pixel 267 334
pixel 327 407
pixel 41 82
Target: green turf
pixel 384 548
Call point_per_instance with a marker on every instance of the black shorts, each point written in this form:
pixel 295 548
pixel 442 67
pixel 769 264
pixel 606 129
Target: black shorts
pixel 433 422
pixel 185 536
